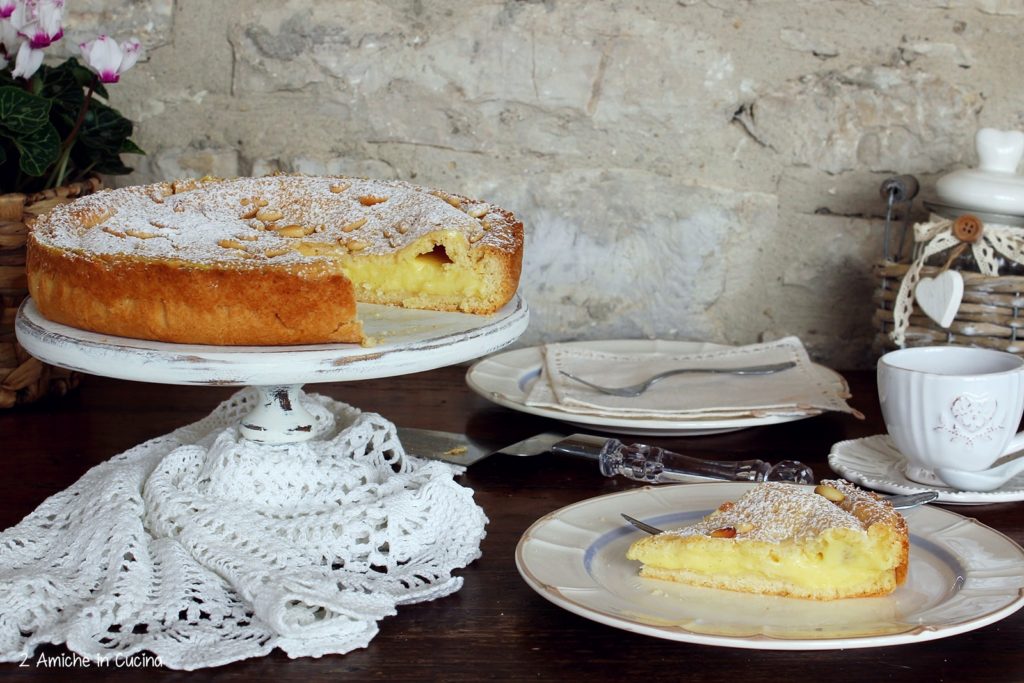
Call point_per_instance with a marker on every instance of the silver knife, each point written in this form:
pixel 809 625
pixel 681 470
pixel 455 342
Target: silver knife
pixel 639 462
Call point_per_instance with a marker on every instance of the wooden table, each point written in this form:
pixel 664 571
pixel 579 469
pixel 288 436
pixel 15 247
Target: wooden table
pixel 495 627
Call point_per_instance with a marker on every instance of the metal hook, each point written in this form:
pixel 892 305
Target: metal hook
pixel 897 190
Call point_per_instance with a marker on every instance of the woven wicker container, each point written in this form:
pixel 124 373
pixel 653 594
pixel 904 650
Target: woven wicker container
pixel 991 314
pixel 24 379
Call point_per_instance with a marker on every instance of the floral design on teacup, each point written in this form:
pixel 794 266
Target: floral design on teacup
pixel 972 418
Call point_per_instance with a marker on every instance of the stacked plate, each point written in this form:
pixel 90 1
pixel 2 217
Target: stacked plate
pixel 518 380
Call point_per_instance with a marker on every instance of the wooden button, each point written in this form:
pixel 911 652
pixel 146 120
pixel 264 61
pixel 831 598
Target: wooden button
pixel 968 228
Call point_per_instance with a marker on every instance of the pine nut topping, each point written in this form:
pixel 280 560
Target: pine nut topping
pixel 830 492
pixel 269 215
pixel 295 230
pixel 354 225
pixel 141 234
pixel 454 201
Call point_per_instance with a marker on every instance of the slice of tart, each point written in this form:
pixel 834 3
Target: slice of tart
pixel 823 543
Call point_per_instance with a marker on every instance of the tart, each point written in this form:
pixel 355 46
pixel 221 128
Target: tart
pixel 823 543
pixel 263 261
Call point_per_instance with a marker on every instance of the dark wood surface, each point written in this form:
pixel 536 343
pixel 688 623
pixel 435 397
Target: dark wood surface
pixel 495 627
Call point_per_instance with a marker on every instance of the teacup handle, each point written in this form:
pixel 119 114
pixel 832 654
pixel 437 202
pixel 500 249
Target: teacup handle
pixel 1016 444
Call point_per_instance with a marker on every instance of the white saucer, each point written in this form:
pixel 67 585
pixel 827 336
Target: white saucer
pixel 875 463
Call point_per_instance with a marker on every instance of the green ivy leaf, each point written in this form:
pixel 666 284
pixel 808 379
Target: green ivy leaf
pixel 60 86
pixel 104 129
pixel 22 112
pixel 129 147
pixel 38 149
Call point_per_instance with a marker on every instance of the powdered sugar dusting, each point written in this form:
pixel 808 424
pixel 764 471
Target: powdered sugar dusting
pixel 775 512
pixel 214 221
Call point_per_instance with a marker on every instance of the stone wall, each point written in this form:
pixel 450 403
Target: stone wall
pixel 697 169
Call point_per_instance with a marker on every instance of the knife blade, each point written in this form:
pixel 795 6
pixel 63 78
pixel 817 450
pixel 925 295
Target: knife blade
pixel 650 464
pixel 447 446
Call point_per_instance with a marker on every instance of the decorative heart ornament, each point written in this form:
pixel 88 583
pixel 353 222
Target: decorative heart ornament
pixel 939 297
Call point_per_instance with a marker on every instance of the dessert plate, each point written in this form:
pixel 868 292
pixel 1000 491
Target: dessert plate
pixel 506 378
pixel 875 463
pixel 962 576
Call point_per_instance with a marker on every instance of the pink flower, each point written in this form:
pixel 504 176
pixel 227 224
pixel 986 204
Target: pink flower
pixel 39 21
pixel 7 8
pixel 108 59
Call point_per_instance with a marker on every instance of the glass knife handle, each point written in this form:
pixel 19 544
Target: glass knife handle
pixel 656 465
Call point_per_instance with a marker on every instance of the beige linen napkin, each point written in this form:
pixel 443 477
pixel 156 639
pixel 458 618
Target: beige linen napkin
pixel 801 390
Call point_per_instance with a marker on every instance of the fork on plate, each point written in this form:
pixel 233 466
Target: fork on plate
pixel 637 389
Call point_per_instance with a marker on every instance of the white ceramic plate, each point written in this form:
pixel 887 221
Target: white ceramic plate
pixel 874 462
pixel 408 341
pixel 506 378
pixel 963 575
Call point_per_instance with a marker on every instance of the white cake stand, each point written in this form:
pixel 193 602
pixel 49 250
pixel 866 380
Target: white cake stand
pixel 407 341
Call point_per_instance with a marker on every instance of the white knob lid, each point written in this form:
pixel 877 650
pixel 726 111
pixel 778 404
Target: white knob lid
pixel 994 186
pixel 999 151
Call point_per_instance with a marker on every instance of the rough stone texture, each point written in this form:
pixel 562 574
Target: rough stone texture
pixel 703 169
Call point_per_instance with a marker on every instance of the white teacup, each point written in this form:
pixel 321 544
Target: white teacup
pixel 951 407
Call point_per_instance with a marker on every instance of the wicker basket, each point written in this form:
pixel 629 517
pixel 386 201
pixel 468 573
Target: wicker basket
pixel 24 379
pixel 991 314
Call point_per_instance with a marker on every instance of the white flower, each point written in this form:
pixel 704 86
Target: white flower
pixel 28 61
pixel 108 59
pixel 10 41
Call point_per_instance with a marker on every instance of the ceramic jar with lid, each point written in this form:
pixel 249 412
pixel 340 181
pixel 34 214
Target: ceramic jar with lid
pixel 992 193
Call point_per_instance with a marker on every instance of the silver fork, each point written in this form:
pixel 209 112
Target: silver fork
pixel 637 389
pixel 900 502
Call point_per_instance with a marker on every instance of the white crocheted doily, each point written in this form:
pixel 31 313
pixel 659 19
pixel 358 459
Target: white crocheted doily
pixel 203 548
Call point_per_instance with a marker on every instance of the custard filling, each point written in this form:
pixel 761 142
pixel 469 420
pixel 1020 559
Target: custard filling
pixel 412 272
pixel 838 557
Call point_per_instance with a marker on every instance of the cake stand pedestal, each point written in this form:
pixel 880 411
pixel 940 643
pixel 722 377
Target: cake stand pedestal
pixel 406 341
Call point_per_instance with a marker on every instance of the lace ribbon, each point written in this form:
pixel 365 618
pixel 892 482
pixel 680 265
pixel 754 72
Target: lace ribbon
pixel 937 236
pixel 204 548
